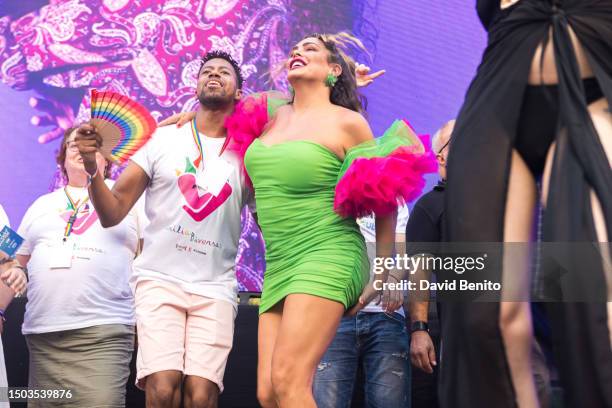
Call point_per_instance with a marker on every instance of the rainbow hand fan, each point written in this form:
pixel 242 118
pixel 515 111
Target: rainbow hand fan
pixel 124 125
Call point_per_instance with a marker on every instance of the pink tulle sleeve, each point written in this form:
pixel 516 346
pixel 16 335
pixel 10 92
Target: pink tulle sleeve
pixel 379 174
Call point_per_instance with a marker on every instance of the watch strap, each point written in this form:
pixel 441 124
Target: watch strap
pixel 419 325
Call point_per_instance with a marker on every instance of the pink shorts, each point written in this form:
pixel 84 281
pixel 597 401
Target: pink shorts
pixel 181 331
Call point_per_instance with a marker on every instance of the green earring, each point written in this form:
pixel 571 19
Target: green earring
pixel 331 80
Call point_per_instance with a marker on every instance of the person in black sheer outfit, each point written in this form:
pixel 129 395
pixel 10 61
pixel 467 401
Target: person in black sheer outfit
pixel 537 111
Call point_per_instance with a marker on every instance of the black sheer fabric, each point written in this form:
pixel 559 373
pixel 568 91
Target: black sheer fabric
pixel 475 372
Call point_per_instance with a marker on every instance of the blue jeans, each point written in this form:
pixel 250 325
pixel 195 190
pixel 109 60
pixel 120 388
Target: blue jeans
pixel 378 341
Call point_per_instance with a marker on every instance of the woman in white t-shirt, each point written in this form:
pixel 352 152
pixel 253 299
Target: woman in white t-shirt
pixel 79 319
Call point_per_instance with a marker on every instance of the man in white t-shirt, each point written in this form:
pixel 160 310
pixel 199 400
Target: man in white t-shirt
pixel 185 281
pixel 376 340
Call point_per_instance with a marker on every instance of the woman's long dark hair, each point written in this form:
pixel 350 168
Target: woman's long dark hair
pixel 345 92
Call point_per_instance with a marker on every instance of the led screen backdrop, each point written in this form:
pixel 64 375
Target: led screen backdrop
pixel 52 52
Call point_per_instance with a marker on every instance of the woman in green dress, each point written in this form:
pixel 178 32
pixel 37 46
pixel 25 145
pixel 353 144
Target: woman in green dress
pixel 316 259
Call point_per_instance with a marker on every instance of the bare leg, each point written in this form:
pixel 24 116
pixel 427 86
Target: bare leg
pixel 163 389
pixel 515 313
pixel 200 392
pixel 269 323
pixel 308 326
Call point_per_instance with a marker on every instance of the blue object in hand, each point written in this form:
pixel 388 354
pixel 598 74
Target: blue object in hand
pixel 10 241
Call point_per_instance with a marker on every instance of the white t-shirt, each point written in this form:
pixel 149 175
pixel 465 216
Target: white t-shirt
pixel 192 238
pixel 95 289
pixel 367 225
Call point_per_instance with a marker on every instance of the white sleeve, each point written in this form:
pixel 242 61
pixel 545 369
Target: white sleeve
pixel 24 230
pixel 402 219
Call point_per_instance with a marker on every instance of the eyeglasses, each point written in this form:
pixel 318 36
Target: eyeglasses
pixel 445 145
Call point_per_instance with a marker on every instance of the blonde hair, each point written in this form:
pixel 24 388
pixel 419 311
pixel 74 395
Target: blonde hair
pixel 344 42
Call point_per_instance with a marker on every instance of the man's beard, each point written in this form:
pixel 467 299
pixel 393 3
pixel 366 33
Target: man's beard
pixel 215 102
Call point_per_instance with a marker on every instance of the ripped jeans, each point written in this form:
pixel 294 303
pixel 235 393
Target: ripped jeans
pixel 380 343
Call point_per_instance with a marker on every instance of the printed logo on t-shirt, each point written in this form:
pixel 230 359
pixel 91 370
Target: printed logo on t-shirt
pixel 367 222
pixel 86 218
pixel 199 206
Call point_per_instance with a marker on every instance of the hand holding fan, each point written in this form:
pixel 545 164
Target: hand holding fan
pixel 123 124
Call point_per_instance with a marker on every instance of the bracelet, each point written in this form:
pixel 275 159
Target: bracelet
pixel 5 261
pixel 90 177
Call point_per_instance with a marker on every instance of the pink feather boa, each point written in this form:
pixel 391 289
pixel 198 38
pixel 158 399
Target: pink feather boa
pixel 245 125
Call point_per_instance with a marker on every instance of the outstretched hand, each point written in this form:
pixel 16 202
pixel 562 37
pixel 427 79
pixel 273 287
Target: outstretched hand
pixel 363 75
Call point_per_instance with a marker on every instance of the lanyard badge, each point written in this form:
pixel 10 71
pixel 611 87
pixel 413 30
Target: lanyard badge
pixel 75 207
pixel 61 257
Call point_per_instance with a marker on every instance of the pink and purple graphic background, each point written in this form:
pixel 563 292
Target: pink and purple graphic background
pixel 53 51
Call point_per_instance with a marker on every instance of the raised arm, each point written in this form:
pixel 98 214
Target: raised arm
pixel 111 205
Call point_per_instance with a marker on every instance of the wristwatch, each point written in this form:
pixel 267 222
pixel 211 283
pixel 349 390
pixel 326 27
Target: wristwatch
pixel 419 325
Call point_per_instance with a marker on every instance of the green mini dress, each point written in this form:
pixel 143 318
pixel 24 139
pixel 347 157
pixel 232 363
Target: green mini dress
pixel 309 247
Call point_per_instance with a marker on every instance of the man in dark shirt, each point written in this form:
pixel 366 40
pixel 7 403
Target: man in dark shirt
pixel 426 226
